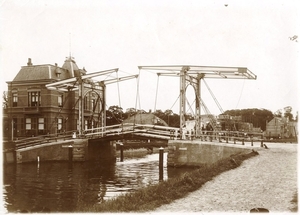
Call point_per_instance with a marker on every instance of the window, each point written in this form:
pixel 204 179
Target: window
pixel 15 99
pixel 34 99
pixel 93 104
pixel 85 124
pixel 41 124
pixel 92 124
pixel 59 125
pixel 60 100
pixel 28 124
pixel 85 104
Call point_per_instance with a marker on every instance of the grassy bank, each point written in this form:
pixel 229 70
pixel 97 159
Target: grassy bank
pixel 151 197
pixel 295 202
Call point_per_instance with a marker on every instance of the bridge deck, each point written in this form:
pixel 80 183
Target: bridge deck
pixel 140 131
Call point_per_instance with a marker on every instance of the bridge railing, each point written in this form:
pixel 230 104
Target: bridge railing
pixel 165 132
pixel 154 131
pixel 157 131
pixel 229 137
pixel 108 130
pixel 145 130
pixel 38 140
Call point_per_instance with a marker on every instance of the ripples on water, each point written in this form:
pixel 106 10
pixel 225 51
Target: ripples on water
pixel 62 186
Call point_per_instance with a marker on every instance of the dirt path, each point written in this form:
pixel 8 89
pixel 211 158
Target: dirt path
pixel 268 180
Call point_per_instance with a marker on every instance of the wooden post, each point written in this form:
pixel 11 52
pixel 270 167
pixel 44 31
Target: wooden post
pixel 262 141
pixel 121 152
pixel 172 134
pixel 227 137
pixel 70 152
pixel 161 163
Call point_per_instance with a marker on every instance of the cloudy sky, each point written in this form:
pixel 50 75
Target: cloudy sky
pixel 103 35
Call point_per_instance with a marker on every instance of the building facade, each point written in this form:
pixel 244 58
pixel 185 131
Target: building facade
pixel 33 109
pixel 281 127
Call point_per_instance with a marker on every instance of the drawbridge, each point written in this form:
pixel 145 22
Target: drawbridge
pixel 188 76
pixel 192 76
pixel 108 133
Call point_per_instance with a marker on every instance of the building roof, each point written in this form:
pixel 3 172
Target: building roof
pixel 40 72
pixel 48 71
pixel 145 118
pixel 71 66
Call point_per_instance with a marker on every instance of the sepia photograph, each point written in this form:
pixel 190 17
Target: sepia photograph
pixel 152 107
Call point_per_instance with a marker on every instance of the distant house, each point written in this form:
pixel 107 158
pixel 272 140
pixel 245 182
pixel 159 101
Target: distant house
pixel 281 127
pixel 35 110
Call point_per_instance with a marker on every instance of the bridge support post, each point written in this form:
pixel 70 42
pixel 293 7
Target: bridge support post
pixel 99 149
pixel 70 153
pixel 227 136
pixel 121 152
pixel 161 164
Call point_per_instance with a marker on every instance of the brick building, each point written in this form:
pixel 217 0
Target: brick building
pixel 33 109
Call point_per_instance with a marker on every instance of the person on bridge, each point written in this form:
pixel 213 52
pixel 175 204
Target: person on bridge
pixel 176 134
pixel 184 132
pixel 209 129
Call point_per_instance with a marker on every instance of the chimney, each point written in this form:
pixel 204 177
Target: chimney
pixel 29 62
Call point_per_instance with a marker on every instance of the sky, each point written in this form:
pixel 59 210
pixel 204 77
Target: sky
pixel 103 35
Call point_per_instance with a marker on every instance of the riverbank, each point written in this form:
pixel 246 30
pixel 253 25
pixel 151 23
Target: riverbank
pixel 265 181
pixel 151 197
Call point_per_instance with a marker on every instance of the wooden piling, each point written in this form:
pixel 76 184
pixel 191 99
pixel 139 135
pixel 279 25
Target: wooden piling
pixel 161 163
pixel 121 152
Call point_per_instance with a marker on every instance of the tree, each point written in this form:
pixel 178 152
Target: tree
pixel 258 117
pixel 278 113
pixel 288 113
pixel 160 114
pixel 174 120
pixel 168 116
pixel 168 112
pixel 114 115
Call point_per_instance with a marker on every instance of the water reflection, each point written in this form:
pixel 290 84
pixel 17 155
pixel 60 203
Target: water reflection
pixel 63 186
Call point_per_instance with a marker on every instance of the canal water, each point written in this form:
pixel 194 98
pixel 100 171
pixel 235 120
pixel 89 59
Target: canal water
pixel 63 186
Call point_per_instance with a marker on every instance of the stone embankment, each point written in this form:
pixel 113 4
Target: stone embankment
pixel 268 180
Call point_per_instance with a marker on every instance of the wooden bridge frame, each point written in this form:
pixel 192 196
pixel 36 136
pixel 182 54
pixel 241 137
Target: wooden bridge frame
pixel 192 75
pixel 83 84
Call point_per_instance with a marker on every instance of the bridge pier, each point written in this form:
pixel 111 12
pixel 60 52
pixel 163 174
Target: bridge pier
pixel 101 150
pixel 69 150
pixel 197 152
